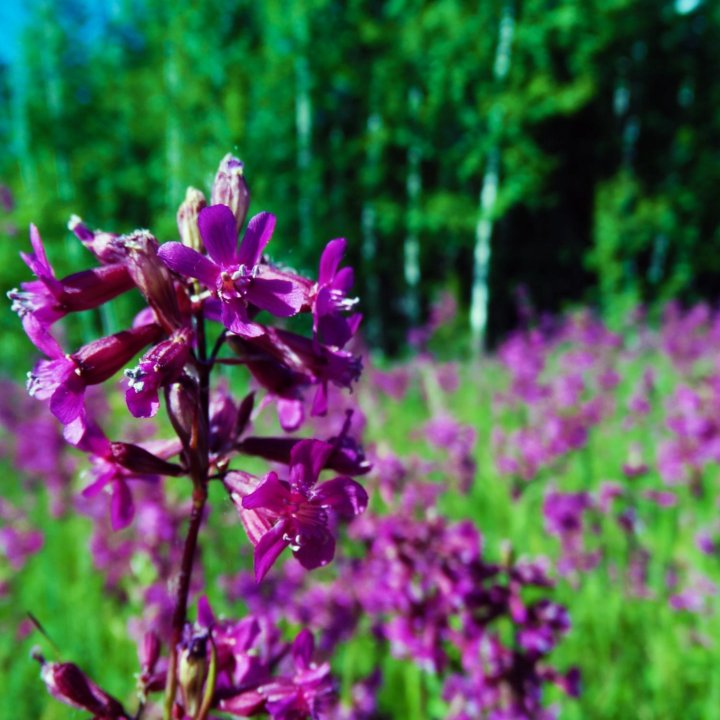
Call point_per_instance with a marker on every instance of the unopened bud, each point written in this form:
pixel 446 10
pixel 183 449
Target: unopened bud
pixel 68 683
pixel 193 670
pixel 152 277
pixel 103 245
pixel 244 414
pixel 231 189
pixel 187 218
pixel 150 651
pixel 183 404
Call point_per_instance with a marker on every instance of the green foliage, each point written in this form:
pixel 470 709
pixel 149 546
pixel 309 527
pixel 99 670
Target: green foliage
pixel 604 121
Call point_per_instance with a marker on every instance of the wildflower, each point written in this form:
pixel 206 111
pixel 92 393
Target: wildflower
pixel 69 684
pixel 278 514
pixel 48 299
pixel 330 326
pixel 234 274
pixel 310 691
pixel 63 378
pixel 113 465
pixel 157 368
pixel 230 189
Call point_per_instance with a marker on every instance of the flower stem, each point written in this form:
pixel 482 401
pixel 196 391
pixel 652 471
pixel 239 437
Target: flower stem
pixel 199 472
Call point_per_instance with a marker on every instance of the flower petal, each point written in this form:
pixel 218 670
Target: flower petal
pixel 303 648
pixel 189 263
pixel 317 551
pixel 142 404
pixel 271 544
pixel 330 259
pixel 344 280
pixel 40 336
pixel 66 403
pixel 282 298
pixel 218 229
pixel 342 495
pixel 291 413
pixel 307 459
pixel 122 507
pixel 271 495
pixel 235 318
pixel 257 236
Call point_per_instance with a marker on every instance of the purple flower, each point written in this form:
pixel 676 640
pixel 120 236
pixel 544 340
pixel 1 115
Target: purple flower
pixel 114 464
pixel 103 245
pixel 48 299
pixel 230 188
pixel 284 363
pixel 17 545
pixel 234 274
pixel 69 684
pixel 330 325
pixel 296 514
pixel 159 367
pixel 63 378
pixel 309 692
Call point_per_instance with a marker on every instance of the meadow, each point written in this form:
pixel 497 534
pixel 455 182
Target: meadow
pixel 588 456
pixel 366 478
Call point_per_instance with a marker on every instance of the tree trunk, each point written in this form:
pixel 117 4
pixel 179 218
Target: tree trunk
pixel 371 296
pixel 303 129
pixel 480 299
pixel 413 187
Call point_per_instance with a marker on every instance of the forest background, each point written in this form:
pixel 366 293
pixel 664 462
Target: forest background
pixel 552 151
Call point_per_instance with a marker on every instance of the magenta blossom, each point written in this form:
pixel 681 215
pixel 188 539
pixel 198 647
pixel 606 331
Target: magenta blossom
pixel 63 378
pixel 331 302
pixel 41 302
pixel 159 367
pixel 234 274
pixel 113 465
pixel 294 513
pixel 311 690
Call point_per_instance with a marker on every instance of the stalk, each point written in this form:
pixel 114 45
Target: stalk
pixel 199 475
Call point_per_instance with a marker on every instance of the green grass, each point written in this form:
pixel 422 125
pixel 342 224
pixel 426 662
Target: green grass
pixel 639 658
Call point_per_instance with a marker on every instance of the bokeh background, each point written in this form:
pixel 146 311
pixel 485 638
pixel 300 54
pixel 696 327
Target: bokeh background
pixel 495 160
pixel 565 149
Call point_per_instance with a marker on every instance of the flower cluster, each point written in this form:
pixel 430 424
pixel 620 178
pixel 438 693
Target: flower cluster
pixel 558 410
pixel 212 298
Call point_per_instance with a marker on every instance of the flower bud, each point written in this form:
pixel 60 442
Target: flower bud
pixel 183 403
pixel 150 651
pixel 152 277
pixel 160 366
pixel 187 218
pixel 231 189
pixel 68 683
pixel 244 414
pixel 103 245
pixel 193 670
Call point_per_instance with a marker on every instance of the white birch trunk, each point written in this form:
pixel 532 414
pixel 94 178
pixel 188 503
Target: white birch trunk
pixel 480 298
pixel 303 128
pixel 368 223
pixel 413 187
pixel 173 138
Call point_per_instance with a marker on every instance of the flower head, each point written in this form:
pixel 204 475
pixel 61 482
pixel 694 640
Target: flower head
pixel 234 274
pixel 296 513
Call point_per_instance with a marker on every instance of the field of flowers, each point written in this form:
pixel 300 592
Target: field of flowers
pixel 530 535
